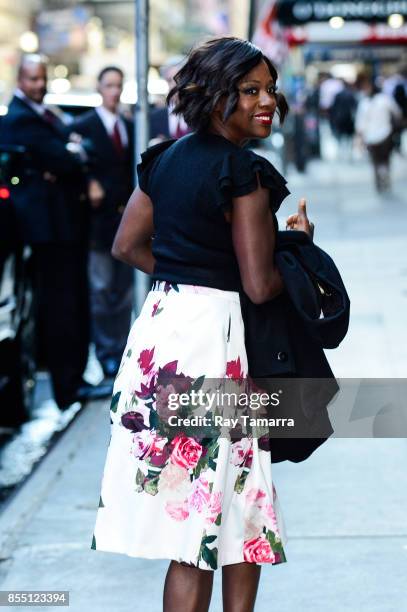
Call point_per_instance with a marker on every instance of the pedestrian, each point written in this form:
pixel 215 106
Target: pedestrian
pixel 312 121
pixel 376 117
pixel 329 87
pixel 110 185
pixel 164 123
pixel 204 502
pixel 51 210
pixel 399 94
pixel 342 118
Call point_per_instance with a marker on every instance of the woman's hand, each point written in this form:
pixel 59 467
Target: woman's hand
pixel 300 221
pixel 96 193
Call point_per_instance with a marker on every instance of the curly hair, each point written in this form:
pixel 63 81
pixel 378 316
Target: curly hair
pixel 212 71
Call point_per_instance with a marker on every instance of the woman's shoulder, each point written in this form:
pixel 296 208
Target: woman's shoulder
pixel 155 150
pixel 242 168
pixel 149 157
pixel 234 171
pixel 172 146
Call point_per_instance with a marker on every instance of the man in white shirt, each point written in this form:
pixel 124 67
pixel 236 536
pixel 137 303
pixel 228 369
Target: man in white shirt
pixel 110 135
pixel 376 117
pixel 163 123
pixel 328 90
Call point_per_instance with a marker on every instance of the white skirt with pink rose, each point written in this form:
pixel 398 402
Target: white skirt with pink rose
pixel 203 499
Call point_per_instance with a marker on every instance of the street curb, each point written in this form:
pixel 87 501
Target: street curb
pixel 29 497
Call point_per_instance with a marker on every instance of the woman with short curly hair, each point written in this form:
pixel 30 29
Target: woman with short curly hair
pixel 213 72
pixel 202 224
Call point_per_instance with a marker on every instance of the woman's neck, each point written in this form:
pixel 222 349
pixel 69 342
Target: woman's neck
pixel 218 128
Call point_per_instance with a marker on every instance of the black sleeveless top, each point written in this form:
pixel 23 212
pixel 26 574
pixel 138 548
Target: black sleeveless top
pixel 191 182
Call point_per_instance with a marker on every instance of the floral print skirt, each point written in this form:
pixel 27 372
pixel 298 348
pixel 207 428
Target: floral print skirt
pixel 207 502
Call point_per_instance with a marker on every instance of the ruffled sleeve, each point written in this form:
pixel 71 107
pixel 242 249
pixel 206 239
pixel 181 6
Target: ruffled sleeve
pixel 148 159
pixel 238 177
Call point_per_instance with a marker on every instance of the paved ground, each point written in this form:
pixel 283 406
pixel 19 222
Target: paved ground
pixel 367 236
pixel 345 508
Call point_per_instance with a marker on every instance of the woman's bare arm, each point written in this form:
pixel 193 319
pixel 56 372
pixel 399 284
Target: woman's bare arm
pixel 254 237
pixel 132 243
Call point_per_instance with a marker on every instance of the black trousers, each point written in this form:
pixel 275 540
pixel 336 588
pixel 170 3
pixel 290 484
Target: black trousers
pixel 62 314
pixel 111 304
pixel 380 154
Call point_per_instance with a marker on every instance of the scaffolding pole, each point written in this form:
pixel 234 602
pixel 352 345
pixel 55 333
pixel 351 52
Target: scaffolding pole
pixel 141 123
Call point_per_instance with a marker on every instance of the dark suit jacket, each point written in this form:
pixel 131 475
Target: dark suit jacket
pixel 47 211
pixel 285 338
pixel 159 124
pixel 114 174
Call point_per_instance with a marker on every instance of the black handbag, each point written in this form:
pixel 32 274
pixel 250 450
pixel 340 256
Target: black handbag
pixel 285 338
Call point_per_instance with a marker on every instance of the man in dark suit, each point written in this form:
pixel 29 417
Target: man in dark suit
pixel 110 186
pixel 163 123
pixel 51 209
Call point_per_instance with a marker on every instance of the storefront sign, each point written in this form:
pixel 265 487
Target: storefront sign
pixel 352 53
pixel 297 12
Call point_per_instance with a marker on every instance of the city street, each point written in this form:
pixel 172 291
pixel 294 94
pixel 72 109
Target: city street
pixel 345 508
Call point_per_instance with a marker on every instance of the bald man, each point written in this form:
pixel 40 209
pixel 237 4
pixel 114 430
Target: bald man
pixel 52 214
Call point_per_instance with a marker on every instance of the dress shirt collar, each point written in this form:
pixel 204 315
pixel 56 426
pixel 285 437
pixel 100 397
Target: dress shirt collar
pixel 38 108
pixel 109 119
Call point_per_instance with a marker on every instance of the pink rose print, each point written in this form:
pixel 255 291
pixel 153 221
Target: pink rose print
pixel 253 526
pixel 261 513
pixel 162 396
pixel 134 421
pixel 256 497
pixel 167 375
pixel 186 451
pixel 160 459
pixel 147 443
pixel 173 477
pixel 258 550
pixel 200 494
pixel 240 450
pixel 155 308
pixel 157 446
pixel 146 391
pixel 234 370
pixel 145 360
pixel 142 441
pixel 248 459
pixel 180 382
pixel 270 518
pixel 214 506
pixel 170 367
pixel 177 510
pixel 167 287
pixel 264 443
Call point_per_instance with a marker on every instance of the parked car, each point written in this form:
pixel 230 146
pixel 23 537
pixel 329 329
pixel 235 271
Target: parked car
pixel 17 341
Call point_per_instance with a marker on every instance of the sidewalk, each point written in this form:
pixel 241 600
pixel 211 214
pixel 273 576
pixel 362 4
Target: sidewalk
pixel 345 508
pixel 366 235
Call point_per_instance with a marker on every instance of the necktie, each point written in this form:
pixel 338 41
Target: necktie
pixel 117 140
pixel 179 132
pixel 49 117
